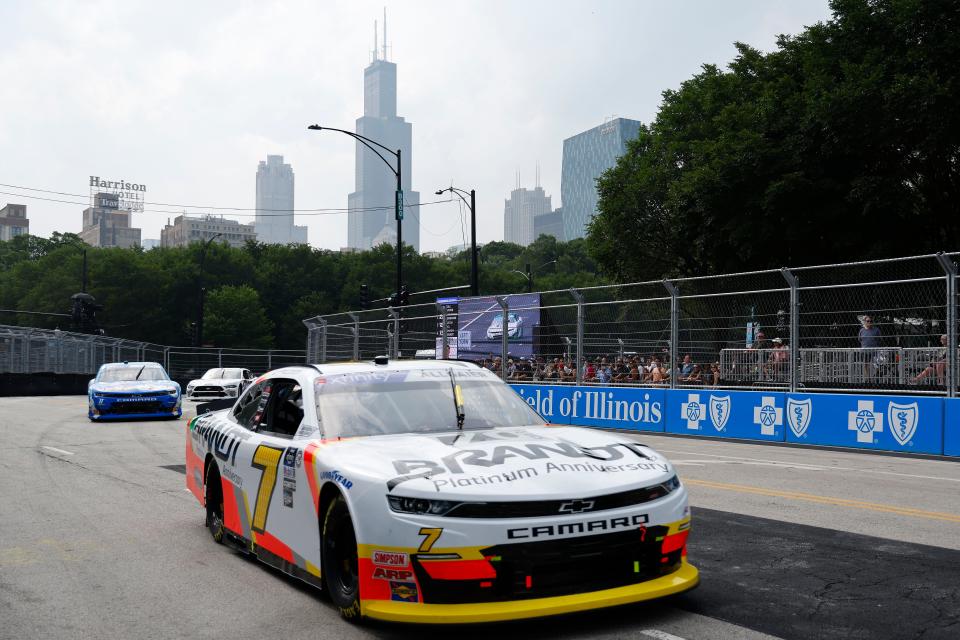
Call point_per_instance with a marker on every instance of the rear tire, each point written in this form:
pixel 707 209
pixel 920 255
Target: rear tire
pixel 339 559
pixel 214 502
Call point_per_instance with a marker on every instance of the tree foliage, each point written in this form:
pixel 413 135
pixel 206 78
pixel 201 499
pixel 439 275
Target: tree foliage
pixel 258 295
pixel 842 144
pixel 235 316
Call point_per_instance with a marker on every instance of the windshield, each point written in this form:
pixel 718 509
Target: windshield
pixel 365 404
pixel 129 374
pixel 223 373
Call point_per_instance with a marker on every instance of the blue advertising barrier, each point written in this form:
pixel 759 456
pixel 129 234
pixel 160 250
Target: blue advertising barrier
pixel 754 415
pixel 890 423
pixel 951 427
pixel 638 409
pixel 912 424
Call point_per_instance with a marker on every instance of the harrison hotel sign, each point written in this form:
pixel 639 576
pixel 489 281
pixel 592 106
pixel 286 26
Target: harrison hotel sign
pixel 129 194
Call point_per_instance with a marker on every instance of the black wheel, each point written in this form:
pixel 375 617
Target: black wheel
pixel 339 559
pixel 214 501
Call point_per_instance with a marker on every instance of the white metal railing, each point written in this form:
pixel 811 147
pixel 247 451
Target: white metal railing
pixel 30 350
pixel 923 367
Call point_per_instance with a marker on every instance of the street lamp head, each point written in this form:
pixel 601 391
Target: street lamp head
pixel 315 127
pixel 439 192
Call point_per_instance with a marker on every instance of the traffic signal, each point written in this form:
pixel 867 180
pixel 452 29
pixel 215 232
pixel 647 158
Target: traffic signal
pixel 404 296
pixel 364 297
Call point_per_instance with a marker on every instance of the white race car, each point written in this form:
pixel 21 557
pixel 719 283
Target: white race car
pixel 431 492
pixel 219 383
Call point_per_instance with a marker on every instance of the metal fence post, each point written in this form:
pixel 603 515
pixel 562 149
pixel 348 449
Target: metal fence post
pixel 58 367
pixel 323 340
pixel 674 329
pixel 578 365
pixel 166 358
pixel 950 268
pixel 270 360
pixel 356 335
pixel 220 358
pixel 505 329
pixel 794 283
pixel 27 346
pixel 396 333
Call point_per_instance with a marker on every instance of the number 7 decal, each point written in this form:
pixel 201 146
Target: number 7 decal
pixel 267 459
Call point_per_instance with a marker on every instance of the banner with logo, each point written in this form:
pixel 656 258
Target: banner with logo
pixel 913 424
pixel 756 415
pixel 891 423
pixel 637 409
pixel 951 427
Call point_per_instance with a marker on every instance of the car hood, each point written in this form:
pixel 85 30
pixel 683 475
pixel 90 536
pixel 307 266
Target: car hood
pixel 215 381
pixel 134 386
pixel 522 463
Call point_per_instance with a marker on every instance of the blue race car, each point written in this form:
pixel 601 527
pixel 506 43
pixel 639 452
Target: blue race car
pixel 133 390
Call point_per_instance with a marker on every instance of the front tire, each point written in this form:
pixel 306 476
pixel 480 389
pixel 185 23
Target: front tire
pixel 214 502
pixel 339 559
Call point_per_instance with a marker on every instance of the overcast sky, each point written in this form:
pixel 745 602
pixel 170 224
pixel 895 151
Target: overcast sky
pixel 187 97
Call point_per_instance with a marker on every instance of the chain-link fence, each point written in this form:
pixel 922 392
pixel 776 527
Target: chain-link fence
pixel 883 325
pixel 29 350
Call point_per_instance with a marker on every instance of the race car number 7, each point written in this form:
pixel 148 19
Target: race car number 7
pixel 267 459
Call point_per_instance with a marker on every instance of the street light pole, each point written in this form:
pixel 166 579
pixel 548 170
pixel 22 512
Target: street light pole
pixel 398 214
pixel 474 271
pixel 398 200
pixel 202 292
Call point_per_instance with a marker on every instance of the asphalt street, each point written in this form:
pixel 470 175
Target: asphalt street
pixel 100 539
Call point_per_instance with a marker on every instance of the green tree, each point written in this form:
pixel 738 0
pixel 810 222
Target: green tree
pixel 843 143
pixel 234 316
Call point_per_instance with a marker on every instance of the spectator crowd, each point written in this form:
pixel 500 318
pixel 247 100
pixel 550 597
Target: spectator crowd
pixel 611 369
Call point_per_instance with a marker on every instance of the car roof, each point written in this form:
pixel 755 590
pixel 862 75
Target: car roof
pixel 117 365
pixel 365 367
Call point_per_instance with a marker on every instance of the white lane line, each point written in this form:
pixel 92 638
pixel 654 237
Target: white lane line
pixel 660 635
pixel 812 467
pixel 55 450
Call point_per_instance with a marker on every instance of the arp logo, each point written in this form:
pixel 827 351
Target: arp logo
pixel 382 573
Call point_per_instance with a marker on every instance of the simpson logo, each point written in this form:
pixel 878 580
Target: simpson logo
pixel 574 528
pixel 382 573
pixel 403 591
pixel 391 558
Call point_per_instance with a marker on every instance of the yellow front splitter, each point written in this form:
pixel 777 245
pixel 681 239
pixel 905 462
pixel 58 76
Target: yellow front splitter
pixel 684 579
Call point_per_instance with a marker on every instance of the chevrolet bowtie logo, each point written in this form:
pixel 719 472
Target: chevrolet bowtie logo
pixel 576 506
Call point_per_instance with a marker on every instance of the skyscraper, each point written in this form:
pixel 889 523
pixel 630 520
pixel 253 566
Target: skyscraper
pixel 585 156
pixel 106 225
pixel 371 219
pixel 519 212
pixel 274 218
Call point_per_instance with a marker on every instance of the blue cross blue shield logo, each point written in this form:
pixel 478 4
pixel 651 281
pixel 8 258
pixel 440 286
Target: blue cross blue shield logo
pixel 902 420
pixel 719 411
pixel 798 415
